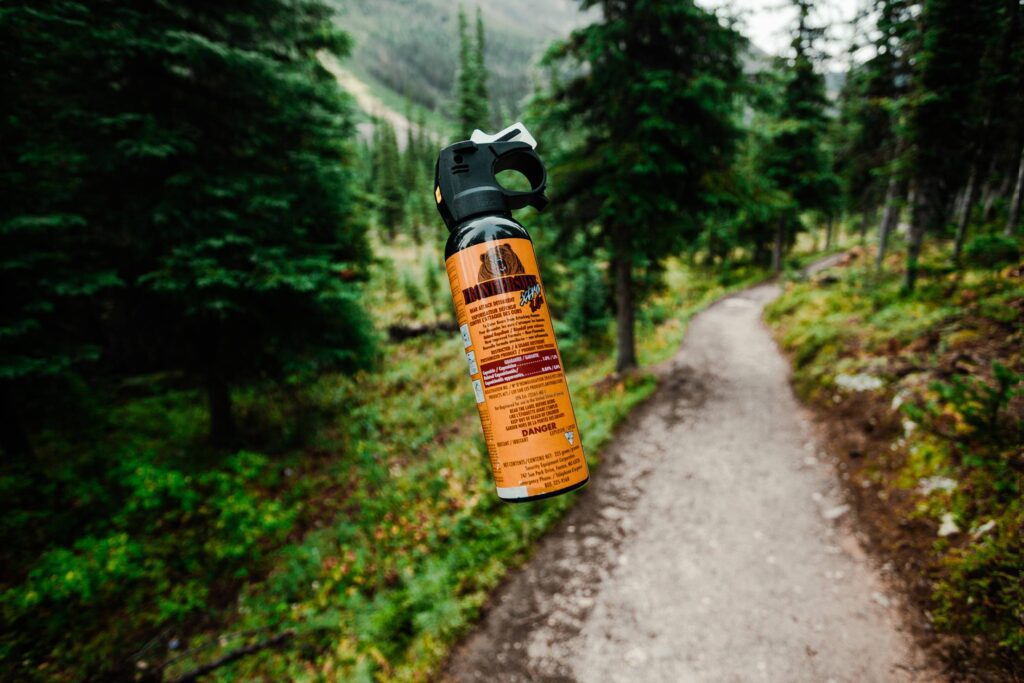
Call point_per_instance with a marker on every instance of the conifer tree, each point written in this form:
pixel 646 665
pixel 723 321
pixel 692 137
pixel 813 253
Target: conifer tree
pixel 645 116
pixel 943 118
pixel 1013 215
pixel 796 159
pixel 471 87
pixel 992 114
pixel 872 150
pixel 390 179
pixel 480 66
pixel 176 182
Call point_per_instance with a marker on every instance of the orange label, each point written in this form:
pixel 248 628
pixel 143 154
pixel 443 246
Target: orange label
pixel 521 392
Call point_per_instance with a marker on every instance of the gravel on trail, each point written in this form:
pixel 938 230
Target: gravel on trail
pixel 712 544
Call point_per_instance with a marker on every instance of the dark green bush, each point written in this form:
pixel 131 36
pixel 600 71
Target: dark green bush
pixel 992 251
pixel 157 561
pixel 587 311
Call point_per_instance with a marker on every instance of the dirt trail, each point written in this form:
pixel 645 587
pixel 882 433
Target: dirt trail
pixel 712 544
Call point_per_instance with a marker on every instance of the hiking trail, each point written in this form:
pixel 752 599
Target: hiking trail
pixel 713 543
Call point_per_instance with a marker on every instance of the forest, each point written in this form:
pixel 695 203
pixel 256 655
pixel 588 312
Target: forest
pixel 238 440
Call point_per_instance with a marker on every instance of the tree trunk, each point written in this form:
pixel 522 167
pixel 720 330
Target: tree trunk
pixel 13 437
pixel 992 193
pixel 780 237
pixel 969 198
pixel 626 345
pixel 958 204
pixel 1013 217
pixel 890 216
pixel 828 232
pixel 864 219
pixel 920 217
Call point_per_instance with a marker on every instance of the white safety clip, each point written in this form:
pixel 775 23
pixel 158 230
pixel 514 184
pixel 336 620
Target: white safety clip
pixel 515 133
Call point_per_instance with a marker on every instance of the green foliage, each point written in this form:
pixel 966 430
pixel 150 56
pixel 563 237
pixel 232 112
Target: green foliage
pixel 388 181
pixel 944 105
pixel 971 414
pixel 169 537
pixel 471 88
pixel 985 577
pixel 992 251
pixel 868 133
pixel 982 593
pixel 177 192
pixel 587 311
pixel 964 422
pixel 794 159
pixel 642 105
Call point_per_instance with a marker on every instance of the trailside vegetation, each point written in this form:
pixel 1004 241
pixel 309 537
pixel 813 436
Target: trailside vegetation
pixel 922 399
pixel 643 105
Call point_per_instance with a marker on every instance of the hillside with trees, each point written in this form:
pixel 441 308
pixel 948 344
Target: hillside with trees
pixel 411 48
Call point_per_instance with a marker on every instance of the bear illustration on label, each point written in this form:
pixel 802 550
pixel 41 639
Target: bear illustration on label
pixel 499 262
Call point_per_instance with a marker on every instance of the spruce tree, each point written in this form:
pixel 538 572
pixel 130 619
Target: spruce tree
pixel 51 269
pixel 1013 215
pixel 390 179
pixel 480 66
pixel 471 87
pixel 796 159
pixel 198 157
pixel 644 117
pixel 941 128
pixel 872 149
pixel 992 114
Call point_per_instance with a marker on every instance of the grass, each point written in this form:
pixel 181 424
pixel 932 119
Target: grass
pixel 933 381
pixel 361 525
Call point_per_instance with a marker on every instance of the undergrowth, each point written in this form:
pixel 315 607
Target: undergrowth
pixel 359 532
pixel 946 362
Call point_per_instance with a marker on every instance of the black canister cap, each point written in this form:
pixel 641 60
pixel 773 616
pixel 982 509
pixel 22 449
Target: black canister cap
pixel 466 184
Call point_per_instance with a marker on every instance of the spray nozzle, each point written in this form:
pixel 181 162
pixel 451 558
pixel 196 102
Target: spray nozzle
pixel 466 183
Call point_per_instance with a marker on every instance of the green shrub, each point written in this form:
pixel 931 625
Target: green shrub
pixel 173 538
pixel 984 594
pixel 991 251
pixel 587 311
pixel 969 426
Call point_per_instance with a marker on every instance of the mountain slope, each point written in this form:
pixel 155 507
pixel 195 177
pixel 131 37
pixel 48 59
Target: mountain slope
pixel 411 46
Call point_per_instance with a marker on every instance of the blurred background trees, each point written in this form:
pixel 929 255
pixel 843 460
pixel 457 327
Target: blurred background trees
pixel 646 114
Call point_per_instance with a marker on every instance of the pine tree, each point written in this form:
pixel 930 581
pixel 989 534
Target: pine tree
pixel 1013 215
pixel 47 269
pixel 992 115
pixel 644 117
pixel 471 86
pixel 480 67
pixel 390 182
pixel 196 156
pixel 871 149
pixel 943 116
pixel 796 160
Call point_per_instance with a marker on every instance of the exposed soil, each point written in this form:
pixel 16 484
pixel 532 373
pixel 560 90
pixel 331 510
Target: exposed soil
pixel 860 430
pixel 712 545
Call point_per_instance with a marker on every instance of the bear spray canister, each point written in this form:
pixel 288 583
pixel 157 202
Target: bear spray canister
pixel 518 379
